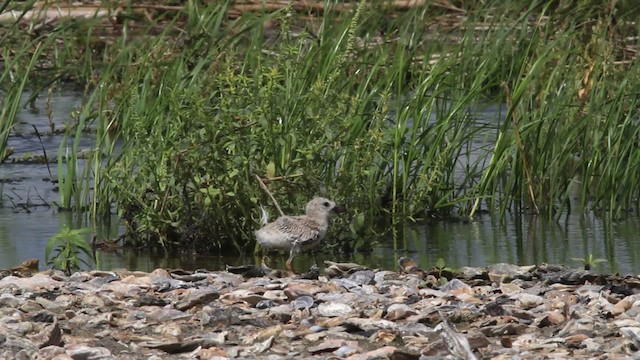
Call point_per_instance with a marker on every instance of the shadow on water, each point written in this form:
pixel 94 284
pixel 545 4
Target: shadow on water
pixel 28 218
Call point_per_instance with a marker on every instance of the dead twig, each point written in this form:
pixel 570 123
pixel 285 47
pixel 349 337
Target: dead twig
pixel 107 244
pixel 264 187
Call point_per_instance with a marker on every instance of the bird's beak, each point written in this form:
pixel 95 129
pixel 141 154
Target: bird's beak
pixel 338 209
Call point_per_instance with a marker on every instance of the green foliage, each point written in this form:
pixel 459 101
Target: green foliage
pixel 368 126
pixel 67 249
pixel 197 133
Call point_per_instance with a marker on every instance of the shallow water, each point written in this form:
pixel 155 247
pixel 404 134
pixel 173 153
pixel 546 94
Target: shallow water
pixel 28 218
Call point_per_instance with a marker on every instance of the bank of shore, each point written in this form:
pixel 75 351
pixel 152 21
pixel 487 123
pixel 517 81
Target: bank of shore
pixel 343 311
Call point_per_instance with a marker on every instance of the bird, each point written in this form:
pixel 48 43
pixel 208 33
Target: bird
pixel 298 233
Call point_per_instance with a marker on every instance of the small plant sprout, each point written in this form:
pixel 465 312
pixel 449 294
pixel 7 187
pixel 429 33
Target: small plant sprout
pixel 441 268
pixel 588 261
pixel 69 249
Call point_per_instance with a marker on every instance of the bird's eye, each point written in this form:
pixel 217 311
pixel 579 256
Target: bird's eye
pixel 326 204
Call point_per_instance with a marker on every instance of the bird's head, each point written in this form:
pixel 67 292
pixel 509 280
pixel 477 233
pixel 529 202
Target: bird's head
pixel 323 206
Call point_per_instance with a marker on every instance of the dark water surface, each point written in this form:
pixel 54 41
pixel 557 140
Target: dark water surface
pixel 28 219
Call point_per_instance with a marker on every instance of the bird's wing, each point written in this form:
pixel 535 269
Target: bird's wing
pixel 297 230
pixel 309 231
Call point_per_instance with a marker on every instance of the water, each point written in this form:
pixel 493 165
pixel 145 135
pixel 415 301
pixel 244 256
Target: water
pixel 529 240
pixel 28 218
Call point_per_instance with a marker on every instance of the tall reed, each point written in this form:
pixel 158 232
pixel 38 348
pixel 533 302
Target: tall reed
pixel 14 78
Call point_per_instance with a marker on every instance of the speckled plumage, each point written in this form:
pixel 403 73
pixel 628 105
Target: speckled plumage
pixel 298 233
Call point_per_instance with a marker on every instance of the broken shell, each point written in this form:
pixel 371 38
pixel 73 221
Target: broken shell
pixel 399 311
pixel 303 302
pixel 334 309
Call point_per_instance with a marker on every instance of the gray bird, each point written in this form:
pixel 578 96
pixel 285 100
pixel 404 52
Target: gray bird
pixel 298 233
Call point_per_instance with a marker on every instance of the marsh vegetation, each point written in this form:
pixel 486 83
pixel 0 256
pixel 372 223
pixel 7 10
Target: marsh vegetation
pixel 378 107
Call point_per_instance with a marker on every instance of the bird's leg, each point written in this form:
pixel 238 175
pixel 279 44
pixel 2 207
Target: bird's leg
pixel 315 259
pixel 264 264
pixel 290 267
pixel 294 251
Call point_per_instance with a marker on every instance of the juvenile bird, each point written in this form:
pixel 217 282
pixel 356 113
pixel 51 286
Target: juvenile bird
pixel 298 233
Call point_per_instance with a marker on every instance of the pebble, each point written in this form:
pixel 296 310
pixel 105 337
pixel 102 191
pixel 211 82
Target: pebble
pixel 349 312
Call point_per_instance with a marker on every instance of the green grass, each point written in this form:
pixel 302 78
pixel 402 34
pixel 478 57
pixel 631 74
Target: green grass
pixel 377 110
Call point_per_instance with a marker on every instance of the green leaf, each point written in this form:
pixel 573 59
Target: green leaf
pixel 271 169
pixel 358 221
pixel 85 248
pixel 48 248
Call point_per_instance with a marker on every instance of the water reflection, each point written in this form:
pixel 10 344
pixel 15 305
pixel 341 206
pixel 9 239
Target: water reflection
pixel 520 240
pixel 527 240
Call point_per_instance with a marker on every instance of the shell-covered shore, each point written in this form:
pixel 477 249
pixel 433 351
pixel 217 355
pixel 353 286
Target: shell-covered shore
pixel 345 311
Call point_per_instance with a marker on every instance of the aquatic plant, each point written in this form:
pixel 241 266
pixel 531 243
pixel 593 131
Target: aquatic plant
pixel 68 249
pixel 15 76
pixel 366 108
pixel 393 135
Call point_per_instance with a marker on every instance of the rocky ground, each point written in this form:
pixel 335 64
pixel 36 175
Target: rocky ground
pixel 343 312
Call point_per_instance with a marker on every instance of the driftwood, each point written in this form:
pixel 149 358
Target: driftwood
pixel 49 11
pixel 447 26
pixel 319 6
pixel 52 13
